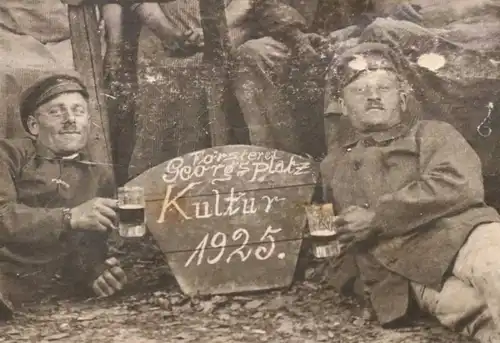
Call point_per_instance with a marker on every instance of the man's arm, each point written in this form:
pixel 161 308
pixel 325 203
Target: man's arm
pixel 237 12
pixel 153 16
pixel 284 23
pixel 279 19
pixel 175 35
pixel 88 250
pixel 18 222
pixel 450 181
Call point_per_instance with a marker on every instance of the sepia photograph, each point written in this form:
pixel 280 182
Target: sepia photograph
pixel 247 171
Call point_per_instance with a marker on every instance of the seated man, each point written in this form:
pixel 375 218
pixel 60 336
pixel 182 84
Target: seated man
pixel 263 35
pixel 55 204
pixel 35 36
pixel 410 202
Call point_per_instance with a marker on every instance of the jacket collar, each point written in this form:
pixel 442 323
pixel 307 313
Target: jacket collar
pixel 379 138
pixel 44 153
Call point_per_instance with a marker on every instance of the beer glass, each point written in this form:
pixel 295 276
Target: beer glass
pixel 320 219
pixel 131 203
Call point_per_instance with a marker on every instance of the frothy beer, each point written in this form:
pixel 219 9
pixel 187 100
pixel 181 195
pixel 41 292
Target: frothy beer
pixel 320 218
pixel 131 212
pixel 323 235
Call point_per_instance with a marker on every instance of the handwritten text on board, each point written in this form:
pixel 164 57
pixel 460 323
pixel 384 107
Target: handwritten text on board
pixel 222 215
pixel 220 167
pixel 219 206
pixel 220 241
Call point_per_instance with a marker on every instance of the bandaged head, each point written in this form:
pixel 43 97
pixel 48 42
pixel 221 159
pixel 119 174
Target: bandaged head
pixel 356 61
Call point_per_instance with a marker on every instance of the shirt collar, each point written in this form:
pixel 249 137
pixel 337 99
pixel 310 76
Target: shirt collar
pixel 376 138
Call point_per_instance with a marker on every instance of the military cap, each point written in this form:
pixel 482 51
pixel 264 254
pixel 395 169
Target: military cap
pixel 354 62
pixel 46 88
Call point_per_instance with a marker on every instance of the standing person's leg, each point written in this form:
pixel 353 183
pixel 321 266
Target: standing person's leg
pixel 258 84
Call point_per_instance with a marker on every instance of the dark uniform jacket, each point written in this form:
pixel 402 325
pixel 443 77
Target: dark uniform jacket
pixel 424 183
pixel 34 188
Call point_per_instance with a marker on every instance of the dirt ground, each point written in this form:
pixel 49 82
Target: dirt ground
pixel 152 309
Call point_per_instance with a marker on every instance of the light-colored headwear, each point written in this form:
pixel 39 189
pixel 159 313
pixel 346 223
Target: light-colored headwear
pixel 356 61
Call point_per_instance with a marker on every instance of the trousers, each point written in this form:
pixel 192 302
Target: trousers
pixel 469 301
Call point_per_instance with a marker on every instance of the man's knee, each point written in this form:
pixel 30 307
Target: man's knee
pixel 265 53
pixel 478 257
pixel 249 50
pixel 457 306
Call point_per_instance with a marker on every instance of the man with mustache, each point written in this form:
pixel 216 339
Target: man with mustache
pixel 455 47
pixel 410 201
pixel 56 205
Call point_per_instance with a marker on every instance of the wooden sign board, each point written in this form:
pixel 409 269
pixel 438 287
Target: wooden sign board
pixel 229 218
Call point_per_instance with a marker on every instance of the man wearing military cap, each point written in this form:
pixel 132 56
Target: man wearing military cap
pixel 410 200
pixel 56 205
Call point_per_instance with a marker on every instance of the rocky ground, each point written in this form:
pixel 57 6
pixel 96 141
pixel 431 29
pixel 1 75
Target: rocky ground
pixel 154 310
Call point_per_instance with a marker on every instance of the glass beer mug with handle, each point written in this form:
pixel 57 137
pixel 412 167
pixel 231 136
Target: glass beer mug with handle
pixel 131 213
